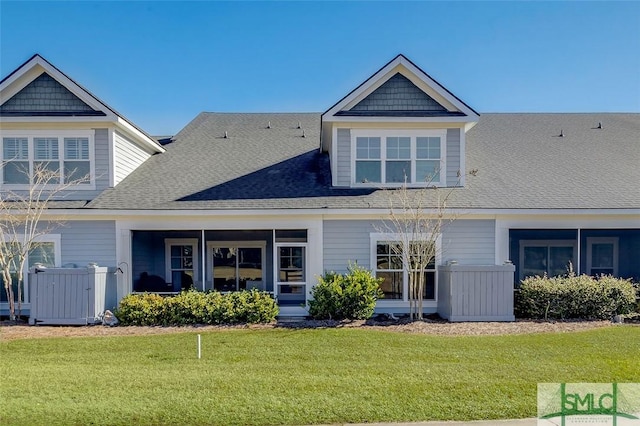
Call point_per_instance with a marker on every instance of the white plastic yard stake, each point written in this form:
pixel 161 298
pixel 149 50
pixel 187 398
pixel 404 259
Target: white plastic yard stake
pixel 199 347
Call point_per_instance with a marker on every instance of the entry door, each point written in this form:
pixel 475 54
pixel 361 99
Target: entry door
pixel 602 256
pixel 237 267
pixel 291 276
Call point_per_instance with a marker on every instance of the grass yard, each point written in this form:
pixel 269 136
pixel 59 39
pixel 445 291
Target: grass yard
pixel 286 376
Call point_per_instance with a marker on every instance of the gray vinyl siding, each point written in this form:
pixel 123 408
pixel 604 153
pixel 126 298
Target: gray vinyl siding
pixel 102 160
pixel 128 156
pixel 88 241
pixel 453 156
pixel 343 157
pixel 470 242
pixel 344 241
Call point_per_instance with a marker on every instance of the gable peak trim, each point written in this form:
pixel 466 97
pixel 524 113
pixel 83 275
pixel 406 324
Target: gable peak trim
pixel 384 73
pixel 83 94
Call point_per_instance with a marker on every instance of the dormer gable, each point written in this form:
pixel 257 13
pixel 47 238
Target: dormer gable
pixel 48 120
pixel 399 123
pixel 38 91
pixel 397 97
pixel 400 89
pixel 45 96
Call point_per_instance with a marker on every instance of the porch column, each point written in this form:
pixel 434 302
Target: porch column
pixel 203 257
pixel 577 268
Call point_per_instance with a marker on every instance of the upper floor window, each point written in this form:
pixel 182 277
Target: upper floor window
pixel 392 158
pixel 62 157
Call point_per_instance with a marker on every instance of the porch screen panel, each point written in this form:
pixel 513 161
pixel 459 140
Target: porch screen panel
pixel 250 268
pixel 559 259
pixel 291 275
pixel 224 268
pixel 602 255
pixel 535 261
pixel 551 258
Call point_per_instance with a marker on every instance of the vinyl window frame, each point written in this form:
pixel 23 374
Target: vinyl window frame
pixel 61 136
pixel 413 134
pixel 391 238
pixel 56 240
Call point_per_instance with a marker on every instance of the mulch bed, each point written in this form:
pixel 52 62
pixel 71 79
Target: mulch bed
pixel 13 331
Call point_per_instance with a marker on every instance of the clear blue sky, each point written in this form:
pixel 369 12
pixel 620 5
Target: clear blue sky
pixel 161 63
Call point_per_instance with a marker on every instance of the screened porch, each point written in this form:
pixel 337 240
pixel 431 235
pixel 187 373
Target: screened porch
pixel 275 261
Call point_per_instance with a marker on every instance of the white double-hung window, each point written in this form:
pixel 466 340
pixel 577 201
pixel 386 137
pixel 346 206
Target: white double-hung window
pixel 396 157
pixel 47 157
pixel 15 161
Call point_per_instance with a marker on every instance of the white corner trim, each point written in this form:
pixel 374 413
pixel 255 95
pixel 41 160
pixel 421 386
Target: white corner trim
pixel 139 136
pixel 112 157
pixel 334 156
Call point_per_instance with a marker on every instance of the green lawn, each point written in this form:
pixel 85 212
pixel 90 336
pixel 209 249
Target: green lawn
pixel 285 376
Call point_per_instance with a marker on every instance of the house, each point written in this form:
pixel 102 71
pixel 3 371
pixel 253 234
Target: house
pixel 273 200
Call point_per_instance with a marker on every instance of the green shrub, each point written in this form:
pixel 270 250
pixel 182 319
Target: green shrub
pixel 345 296
pixel 574 296
pixel 140 309
pixel 193 307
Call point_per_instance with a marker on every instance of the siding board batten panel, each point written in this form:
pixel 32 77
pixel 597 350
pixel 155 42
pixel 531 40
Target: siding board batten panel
pixel 102 161
pixel 344 241
pixel 469 242
pixel 128 156
pixel 77 249
pixel 453 157
pixel 343 156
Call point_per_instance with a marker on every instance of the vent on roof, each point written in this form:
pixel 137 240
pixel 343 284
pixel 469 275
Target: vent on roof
pixel 303 135
pixel 299 125
pixel 226 136
pixel 268 125
pixel 561 135
pixel 599 125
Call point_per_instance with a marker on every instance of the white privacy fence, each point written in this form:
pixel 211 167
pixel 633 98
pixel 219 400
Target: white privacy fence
pixel 70 296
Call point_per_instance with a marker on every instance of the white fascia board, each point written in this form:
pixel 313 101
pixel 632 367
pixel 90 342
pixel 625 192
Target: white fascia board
pixel 439 89
pixel 228 223
pixel 138 135
pixel 371 81
pixel 596 222
pixel 329 214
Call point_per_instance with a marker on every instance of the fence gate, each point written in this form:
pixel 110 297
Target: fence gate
pixel 67 296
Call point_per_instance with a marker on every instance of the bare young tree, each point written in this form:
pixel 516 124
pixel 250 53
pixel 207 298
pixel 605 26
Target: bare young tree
pixel 21 225
pixel 417 217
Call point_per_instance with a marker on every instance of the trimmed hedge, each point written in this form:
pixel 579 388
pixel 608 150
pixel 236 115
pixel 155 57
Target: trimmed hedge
pixel 194 307
pixel 345 296
pixel 574 296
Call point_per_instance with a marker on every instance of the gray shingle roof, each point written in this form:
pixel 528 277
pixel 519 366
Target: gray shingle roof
pixel 522 163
